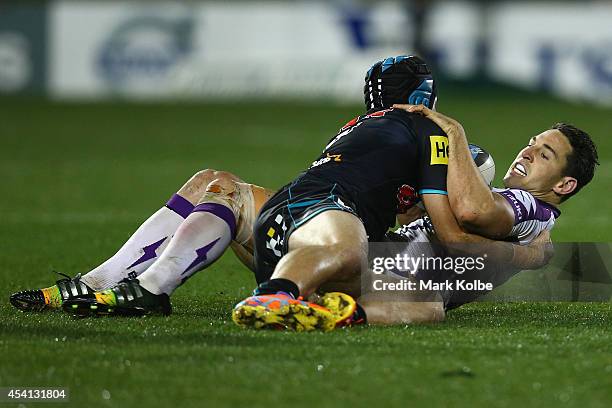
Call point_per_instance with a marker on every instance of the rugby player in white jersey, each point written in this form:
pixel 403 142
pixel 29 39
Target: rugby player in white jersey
pixel 553 166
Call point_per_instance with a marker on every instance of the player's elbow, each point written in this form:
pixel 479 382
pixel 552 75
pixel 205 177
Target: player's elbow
pixel 467 217
pixel 470 213
pixel 473 218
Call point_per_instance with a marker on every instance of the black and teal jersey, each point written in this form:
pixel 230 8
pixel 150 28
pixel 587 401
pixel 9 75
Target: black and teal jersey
pixel 374 155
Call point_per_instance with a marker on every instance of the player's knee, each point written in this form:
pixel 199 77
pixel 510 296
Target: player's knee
pixel 199 183
pixel 221 183
pixel 224 189
pixel 193 189
pixel 203 177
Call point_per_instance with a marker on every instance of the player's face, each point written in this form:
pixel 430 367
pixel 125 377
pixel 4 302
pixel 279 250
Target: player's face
pixel 538 167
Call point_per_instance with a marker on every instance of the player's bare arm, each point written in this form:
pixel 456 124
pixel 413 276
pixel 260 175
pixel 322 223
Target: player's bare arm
pixel 449 232
pixel 476 208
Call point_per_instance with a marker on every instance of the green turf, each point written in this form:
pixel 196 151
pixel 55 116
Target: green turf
pixel 78 179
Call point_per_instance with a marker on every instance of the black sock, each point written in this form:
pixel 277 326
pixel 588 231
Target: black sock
pixel 274 286
pixel 360 315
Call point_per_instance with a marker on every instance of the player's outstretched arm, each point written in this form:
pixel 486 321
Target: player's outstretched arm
pixel 476 208
pixel 532 256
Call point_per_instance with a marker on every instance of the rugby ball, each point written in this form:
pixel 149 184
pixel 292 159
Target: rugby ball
pixel 484 162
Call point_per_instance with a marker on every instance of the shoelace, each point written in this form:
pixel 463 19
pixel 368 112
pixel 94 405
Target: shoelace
pixel 76 278
pixel 61 274
pixel 128 280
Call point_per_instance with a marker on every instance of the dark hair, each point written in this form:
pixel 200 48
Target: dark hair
pixel 583 158
pixel 396 80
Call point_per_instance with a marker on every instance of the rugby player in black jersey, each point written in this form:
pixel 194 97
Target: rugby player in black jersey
pixel 212 221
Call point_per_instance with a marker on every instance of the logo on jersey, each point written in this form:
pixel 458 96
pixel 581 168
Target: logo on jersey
pixel 439 150
pixel 326 159
pixel 354 123
pixel 350 124
pixel 407 197
pixel 475 151
pixel 377 114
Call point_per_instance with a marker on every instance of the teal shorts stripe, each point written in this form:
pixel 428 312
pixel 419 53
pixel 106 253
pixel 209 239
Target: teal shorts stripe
pixel 303 203
pixel 319 211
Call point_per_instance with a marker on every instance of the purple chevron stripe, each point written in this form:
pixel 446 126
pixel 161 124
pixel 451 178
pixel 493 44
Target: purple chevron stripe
pixel 201 255
pixel 149 253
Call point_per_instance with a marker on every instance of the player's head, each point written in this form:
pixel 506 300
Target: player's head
pixel 555 164
pixel 401 79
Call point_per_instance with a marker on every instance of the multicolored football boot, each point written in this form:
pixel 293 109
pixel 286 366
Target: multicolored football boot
pixel 282 311
pixel 127 298
pixel 38 300
pixel 344 308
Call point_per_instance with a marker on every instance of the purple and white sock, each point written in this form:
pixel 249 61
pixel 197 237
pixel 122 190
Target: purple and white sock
pixel 198 242
pixel 143 247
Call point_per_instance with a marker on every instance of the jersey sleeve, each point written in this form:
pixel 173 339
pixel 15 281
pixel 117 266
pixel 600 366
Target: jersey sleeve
pixel 521 202
pixel 531 216
pixel 433 158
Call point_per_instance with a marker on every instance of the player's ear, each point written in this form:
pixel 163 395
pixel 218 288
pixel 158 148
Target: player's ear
pixel 566 185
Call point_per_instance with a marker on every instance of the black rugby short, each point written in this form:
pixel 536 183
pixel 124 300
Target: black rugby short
pixel 291 207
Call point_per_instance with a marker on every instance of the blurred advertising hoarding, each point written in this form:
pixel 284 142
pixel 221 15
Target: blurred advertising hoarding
pixel 562 47
pixel 22 48
pixel 208 49
pixel 319 49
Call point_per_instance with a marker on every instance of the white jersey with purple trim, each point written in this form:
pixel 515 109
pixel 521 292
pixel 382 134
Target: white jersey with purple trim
pixel 531 216
pixel 419 230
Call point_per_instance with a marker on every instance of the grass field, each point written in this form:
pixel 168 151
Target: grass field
pixel 78 179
